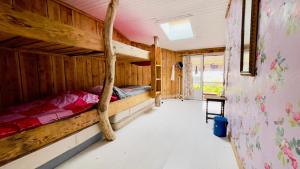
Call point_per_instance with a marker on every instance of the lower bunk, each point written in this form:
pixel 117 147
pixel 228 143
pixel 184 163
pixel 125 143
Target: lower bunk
pixel 28 143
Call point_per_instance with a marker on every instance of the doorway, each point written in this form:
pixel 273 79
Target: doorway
pixel 203 75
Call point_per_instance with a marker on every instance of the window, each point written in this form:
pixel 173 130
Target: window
pixel 178 30
pixel 213 75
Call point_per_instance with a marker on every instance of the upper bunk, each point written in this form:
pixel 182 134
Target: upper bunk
pixel 56 28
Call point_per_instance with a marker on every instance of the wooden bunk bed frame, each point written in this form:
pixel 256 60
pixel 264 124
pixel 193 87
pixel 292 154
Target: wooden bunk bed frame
pixel 23 143
pixel 25 30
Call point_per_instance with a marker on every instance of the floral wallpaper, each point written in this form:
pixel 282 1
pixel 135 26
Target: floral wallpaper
pixel 264 111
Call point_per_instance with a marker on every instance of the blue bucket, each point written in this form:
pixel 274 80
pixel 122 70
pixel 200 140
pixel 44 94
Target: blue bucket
pixel 220 126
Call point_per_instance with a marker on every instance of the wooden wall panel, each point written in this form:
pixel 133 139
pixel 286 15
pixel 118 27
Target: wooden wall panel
pixel 53 10
pixel 81 73
pixel 170 88
pixel 147 75
pixel 119 73
pixel 30 77
pixel 35 6
pixel 10 85
pixel 134 73
pixel 58 72
pixel 45 75
pixel 6 1
pixel 127 70
pixel 96 72
pixel 70 72
pixel 85 23
pixel 102 72
pixel 121 69
pixel 139 75
pixel 66 15
pixel 89 73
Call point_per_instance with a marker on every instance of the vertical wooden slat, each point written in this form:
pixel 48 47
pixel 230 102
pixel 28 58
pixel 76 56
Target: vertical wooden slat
pixel 59 83
pixel 144 75
pixel 66 15
pixel 53 10
pixel 81 73
pixel 10 92
pixel 102 72
pixel 127 74
pixel 140 75
pixel 70 74
pixel 89 73
pixel 122 74
pixel 29 73
pixel 96 71
pixel 148 82
pixel 133 74
pixel 117 75
pixel 35 6
pixel 45 75
pixel 85 23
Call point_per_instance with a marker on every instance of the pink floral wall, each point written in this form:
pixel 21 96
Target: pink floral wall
pixel 264 111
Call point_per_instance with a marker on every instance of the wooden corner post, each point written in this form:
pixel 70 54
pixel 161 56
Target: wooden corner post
pixel 110 61
pixel 156 71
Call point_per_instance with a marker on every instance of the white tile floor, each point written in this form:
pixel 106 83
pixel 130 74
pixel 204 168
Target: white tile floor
pixel 174 136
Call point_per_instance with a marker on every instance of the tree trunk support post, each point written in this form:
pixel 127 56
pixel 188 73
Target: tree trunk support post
pixel 110 62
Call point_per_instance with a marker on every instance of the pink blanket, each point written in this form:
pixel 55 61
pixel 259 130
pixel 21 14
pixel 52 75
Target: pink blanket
pixel 40 112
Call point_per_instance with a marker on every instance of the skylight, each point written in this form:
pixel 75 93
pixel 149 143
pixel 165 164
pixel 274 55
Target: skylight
pixel 178 30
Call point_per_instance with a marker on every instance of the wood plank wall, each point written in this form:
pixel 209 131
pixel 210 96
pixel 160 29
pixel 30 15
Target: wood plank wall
pixel 63 13
pixel 28 76
pixel 170 89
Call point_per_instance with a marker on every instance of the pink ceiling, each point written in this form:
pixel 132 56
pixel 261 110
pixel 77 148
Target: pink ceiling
pixel 97 8
pixel 139 20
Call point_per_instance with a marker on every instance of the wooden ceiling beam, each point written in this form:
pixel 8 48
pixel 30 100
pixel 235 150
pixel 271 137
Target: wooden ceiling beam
pixel 201 51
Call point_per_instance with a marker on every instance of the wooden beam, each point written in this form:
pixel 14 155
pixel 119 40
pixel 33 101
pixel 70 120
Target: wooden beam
pixel 201 51
pixel 125 104
pixel 25 142
pixel 127 50
pixel 34 26
pixel 110 68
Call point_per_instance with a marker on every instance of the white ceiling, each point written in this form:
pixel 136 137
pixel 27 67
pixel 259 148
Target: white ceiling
pixel 139 20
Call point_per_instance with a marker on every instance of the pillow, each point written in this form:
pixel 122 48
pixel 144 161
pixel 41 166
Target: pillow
pixel 98 91
pixel 120 93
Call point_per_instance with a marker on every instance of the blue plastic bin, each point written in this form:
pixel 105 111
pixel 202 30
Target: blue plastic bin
pixel 220 126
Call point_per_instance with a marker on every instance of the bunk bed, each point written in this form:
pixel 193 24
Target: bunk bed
pixel 28 31
pixel 33 135
pixel 24 30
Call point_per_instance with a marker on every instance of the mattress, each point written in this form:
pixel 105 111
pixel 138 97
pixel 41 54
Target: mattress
pixel 40 112
pixel 135 90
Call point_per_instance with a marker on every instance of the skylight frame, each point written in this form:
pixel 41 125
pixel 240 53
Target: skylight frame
pixel 178 29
